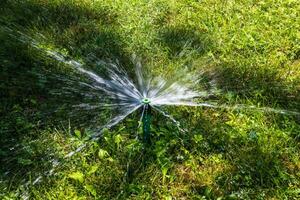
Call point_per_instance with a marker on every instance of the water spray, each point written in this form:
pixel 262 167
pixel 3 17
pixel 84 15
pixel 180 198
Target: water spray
pixel 146 120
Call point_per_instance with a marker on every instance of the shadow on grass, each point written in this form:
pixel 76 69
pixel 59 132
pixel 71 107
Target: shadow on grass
pixel 25 86
pixel 79 28
pixel 263 85
pixel 62 14
pixel 264 82
pixel 181 40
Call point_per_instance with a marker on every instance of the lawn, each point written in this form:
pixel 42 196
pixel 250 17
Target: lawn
pixel 248 49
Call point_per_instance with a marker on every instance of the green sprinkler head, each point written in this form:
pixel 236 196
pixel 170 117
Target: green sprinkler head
pixel 146 101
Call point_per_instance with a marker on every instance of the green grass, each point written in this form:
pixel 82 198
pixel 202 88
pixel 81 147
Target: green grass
pixel 251 48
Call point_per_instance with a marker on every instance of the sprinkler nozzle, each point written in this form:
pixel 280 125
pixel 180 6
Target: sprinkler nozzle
pixel 146 101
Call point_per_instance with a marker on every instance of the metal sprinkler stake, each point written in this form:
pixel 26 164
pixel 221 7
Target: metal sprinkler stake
pixel 146 120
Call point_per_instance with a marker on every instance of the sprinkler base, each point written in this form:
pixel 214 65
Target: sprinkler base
pixel 146 124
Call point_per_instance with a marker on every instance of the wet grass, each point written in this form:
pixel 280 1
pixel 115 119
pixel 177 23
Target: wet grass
pixel 251 50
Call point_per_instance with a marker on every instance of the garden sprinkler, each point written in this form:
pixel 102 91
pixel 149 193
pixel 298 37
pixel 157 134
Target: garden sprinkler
pixel 146 120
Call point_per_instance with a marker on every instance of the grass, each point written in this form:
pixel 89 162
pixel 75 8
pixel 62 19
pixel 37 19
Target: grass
pixel 250 48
